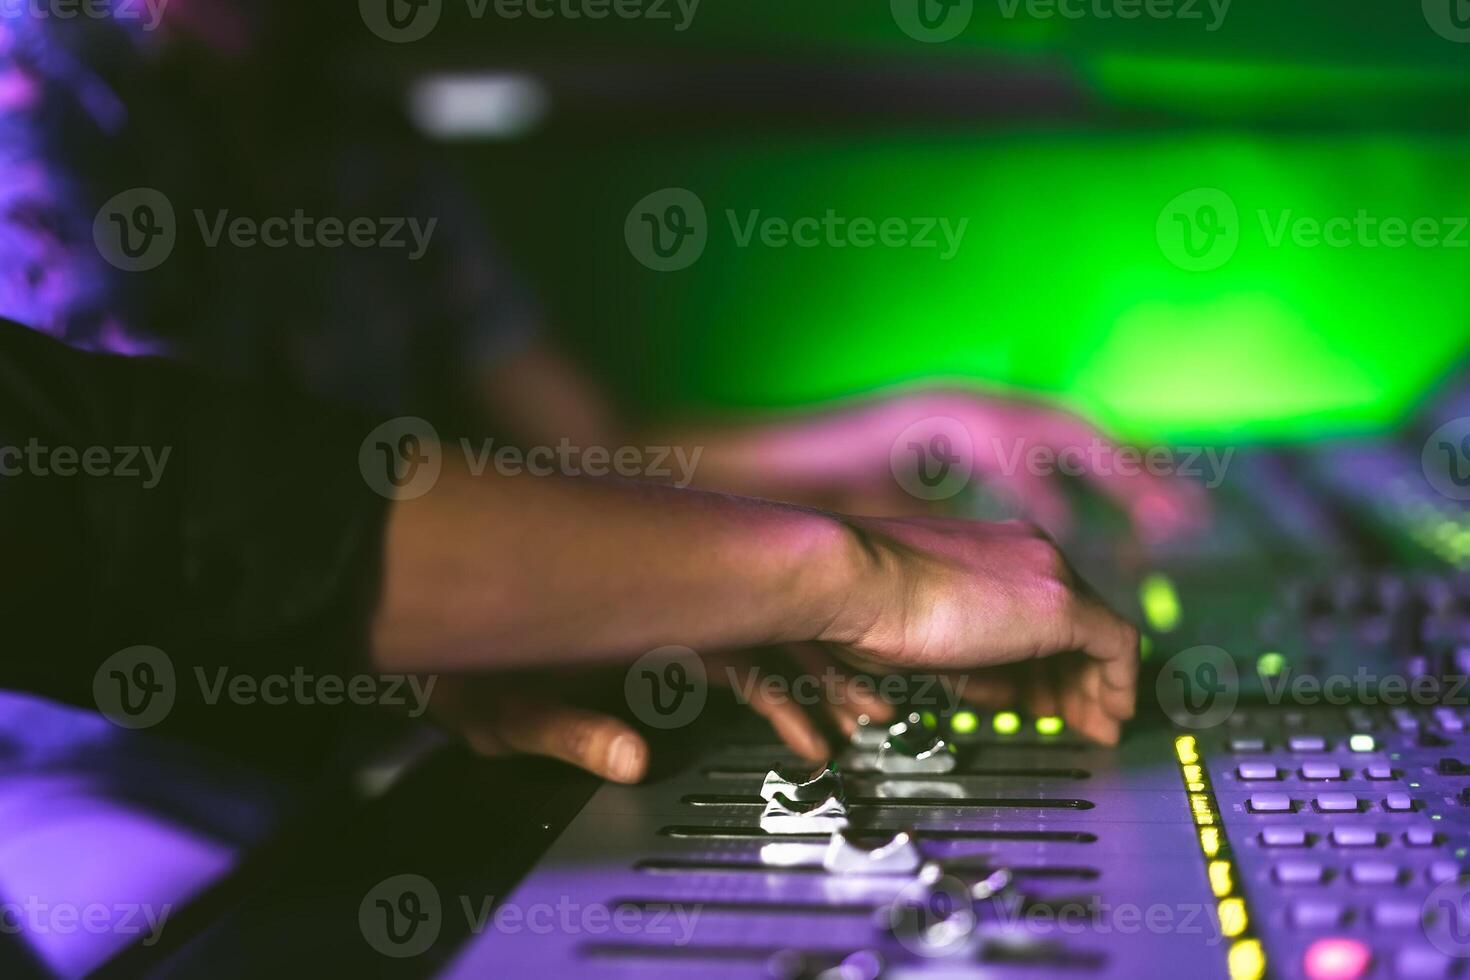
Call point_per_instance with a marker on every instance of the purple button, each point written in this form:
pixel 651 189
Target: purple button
pixel 1442 871
pixel 1257 770
pixel 1337 802
pixel 1316 915
pixel 1321 770
pixel 1373 873
pixel 1247 745
pixel 1284 837
pixel 1398 802
pixel 1354 837
pixel 1396 915
pixel 1421 963
pixel 1307 743
pixel 1299 873
pixel 1270 803
pixel 1379 772
pixel 1420 837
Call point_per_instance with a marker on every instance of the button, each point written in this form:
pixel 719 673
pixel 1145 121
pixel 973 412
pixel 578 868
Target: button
pixel 1398 802
pixel 1421 837
pixel 1307 743
pixel 1257 770
pixel 1247 745
pixel 1284 837
pixel 1396 915
pixel 1379 771
pixel 1336 958
pixel 1421 963
pixel 1373 873
pixel 898 855
pixel 1300 873
pixel 916 752
pixel 1311 914
pixel 1354 837
pixel 1337 802
pixel 1442 871
pixel 1270 803
pixel 1321 770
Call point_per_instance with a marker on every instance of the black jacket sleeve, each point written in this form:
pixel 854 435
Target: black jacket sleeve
pixel 142 504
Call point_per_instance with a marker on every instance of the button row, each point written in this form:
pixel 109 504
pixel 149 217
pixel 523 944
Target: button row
pixel 1361 873
pixel 1325 803
pixel 1289 836
pixel 1301 743
pixel 1258 771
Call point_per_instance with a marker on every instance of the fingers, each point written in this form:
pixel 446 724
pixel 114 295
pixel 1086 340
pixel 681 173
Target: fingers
pixel 599 743
pixel 1112 644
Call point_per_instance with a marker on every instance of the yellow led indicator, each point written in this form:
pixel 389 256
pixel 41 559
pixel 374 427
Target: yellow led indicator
pixel 1247 962
pixel 1232 917
pixel 1006 723
pixel 1209 841
pixel 1221 878
pixel 1184 747
pixel 1270 664
pixel 1193 773
pixel 1160 602
pixel 964 722
pixel 1048 725
pixel 1362 743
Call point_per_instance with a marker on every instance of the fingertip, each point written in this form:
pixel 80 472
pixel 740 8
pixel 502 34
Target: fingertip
pixel 627 759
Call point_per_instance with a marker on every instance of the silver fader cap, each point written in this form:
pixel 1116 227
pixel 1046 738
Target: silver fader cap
pixel 803 786
pixel 922 754
pixel 899 855
pixel 784 815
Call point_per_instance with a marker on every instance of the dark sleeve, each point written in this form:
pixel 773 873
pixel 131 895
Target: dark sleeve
pixel 141 504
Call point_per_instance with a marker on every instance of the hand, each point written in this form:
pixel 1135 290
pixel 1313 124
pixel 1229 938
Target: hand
pixel 938 594
pixel 841 460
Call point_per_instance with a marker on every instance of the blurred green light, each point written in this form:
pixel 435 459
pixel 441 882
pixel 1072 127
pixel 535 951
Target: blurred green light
pixel 1160 602
pixel 1362 743
pixel 1006 723
pixel 1270 664
pixel 964 722
pixel 1049 725
pixel 1145 646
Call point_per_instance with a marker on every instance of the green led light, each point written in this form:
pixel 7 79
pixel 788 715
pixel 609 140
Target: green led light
pixel 1049 725
pixel 930 719
pixel 1006 723
pixel 964 722
pixel 1362 743
pixel 1145 646
pixel 1270 664
pixel 1160 602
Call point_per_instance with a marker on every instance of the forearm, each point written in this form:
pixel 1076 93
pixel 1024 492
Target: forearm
pixel 497 571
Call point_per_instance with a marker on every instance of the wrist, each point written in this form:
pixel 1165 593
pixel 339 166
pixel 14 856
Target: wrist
pixel 851 592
